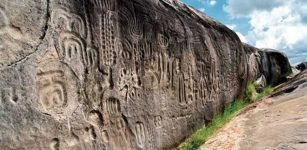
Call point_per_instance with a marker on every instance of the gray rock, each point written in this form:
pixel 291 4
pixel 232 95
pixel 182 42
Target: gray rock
pixel 115 74
pixel 302 66
pixel 260 83
pixel 296 83
pixel 274 66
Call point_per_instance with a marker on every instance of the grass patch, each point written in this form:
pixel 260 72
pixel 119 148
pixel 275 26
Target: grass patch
pixel 267 91
pixel 202 135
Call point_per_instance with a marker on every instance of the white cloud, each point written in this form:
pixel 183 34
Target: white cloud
pixel 206 2
pixel 240 8
pixel 212 2
pixel 202 9
pixel 282 26
pixel 231 26
pixel 202 2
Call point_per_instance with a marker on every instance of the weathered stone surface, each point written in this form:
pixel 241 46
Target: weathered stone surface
pixel 275 66
pixel 297 82
pixel 115 74
pixel 271 64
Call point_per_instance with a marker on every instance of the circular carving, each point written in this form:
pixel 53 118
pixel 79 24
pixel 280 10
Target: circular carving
pixel 57 88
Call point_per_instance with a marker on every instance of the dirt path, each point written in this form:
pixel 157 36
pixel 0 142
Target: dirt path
pixel 278 123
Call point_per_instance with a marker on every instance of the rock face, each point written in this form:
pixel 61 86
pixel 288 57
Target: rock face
pixel 297 82
pixel 115 74
pixel 272 64
pixel 275 66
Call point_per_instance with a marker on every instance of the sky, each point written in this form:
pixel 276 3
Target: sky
pixel 277 24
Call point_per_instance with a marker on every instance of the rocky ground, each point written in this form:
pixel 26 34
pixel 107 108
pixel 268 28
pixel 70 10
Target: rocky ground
pixel 278 122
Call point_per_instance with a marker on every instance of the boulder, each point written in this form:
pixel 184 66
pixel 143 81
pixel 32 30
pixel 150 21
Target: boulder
pixel 302 66
pixel 275 66
pixel 117 74
pixel 260 83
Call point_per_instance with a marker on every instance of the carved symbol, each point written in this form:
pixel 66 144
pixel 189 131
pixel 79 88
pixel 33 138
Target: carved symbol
pixel 202 90
pixel 158 121
pixel 91 133
pixel 71 22
pixel 182 89
pixel 135 26
pixel 52 90
pixel 107 5
pixel 72 29
pixel 94 89
pixel 72 140
pixel 72 46
pixel 163 41
pixel 133 51
pixel 55 144
pixel 186 90
pixel 147 50
pixel 126 55
pixel 152 76
pixel 105 136
pixel 140 134
pixel 57 88
pixel 108 45
pixel 133 93
pixel 163 68
pixel 92 58
pixel 9 95
pixel 128 82
pixel 175 71
pixel 113 106
pixel 96 119
pixel 121 126
pixel 190 86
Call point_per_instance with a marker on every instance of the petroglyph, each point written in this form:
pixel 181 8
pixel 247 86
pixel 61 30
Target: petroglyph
pixel 117 74
pixel 58 88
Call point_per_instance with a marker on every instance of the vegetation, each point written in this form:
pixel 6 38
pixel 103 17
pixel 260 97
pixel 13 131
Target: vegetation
pixel 267 91
pixel 202 135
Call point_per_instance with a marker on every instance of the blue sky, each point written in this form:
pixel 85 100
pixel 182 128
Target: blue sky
pixel 215 10
pixel 277 24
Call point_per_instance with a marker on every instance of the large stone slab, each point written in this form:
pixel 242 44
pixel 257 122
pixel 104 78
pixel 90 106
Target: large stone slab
pixel 113 74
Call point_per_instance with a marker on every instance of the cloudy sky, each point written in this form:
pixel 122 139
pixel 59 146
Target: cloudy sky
pixel 278 24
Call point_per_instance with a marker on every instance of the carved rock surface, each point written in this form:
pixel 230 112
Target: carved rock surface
pixel 113 74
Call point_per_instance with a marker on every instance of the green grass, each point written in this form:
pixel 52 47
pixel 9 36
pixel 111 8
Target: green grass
pixel 202 135
pixel 264 93
pixel 251 94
